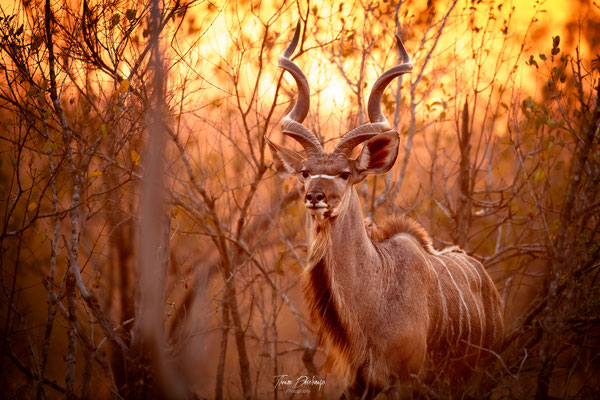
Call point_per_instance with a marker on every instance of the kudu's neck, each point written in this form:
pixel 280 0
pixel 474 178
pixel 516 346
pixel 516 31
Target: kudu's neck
pixel 341 242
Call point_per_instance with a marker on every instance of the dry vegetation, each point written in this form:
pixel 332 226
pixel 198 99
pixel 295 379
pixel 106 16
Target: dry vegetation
pixel 147 247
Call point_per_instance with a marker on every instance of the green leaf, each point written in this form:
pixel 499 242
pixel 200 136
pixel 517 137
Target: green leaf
pixel 528 103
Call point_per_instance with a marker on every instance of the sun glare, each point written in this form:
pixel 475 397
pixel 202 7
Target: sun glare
pixel 508 32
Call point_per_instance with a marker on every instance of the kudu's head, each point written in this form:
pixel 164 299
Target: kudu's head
pixel 328 177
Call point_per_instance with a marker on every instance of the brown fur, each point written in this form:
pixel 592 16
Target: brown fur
pixel 388 304
pixel 323 307
pixel 395 226
pixel 420 312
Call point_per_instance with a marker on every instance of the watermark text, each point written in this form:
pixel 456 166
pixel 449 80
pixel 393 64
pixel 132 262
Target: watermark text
pixel 300 384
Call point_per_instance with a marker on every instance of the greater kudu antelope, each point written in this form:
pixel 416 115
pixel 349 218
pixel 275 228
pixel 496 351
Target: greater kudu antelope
pixel 390 306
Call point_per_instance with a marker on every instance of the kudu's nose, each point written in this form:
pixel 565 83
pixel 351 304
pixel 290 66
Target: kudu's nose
pixel 314 197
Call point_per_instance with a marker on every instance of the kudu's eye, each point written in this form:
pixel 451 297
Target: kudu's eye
pixel 304 174
pixel 345 175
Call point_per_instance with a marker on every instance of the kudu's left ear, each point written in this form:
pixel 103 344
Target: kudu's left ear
pixel 287 162
pixel 378 155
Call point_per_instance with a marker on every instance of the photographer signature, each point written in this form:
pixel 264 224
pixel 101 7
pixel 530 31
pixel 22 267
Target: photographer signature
pixel 299 382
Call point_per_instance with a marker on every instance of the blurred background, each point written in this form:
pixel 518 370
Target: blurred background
pixel 149 250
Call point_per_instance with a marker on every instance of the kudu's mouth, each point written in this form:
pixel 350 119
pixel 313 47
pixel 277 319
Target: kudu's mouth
pixel 320 211
pixel 318 208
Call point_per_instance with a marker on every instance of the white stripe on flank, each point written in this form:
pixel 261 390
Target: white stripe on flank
pixel 480 301
pixel 462 300
pixel 445 316
pixel 466 265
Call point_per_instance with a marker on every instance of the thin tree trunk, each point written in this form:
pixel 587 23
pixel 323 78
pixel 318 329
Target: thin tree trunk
pixel 275 337
pixel 222 353
pixel 230 298
pixel 463 209
pixel 72 336
pixel 231 295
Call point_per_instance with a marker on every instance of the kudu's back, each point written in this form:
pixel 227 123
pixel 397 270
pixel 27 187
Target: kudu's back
pixel 448 298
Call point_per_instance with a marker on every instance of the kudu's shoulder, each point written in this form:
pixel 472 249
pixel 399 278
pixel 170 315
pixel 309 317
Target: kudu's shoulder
pixel 397 228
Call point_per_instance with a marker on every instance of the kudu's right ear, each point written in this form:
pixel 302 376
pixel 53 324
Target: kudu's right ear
pixel 287 162
pixel 378 155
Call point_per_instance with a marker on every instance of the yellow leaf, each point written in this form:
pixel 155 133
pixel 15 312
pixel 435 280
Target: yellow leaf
pixel 124 86
pixel 32 206
pixel 95 174
pixel 47 147
pixel 135 157
pixel 539 175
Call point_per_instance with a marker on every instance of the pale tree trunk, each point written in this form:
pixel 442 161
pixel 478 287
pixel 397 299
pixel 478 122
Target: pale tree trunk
pixel 155 373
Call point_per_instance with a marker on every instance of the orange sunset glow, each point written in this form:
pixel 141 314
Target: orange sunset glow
pixel 164 236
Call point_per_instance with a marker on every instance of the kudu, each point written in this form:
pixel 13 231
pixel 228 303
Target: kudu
pixel 391 308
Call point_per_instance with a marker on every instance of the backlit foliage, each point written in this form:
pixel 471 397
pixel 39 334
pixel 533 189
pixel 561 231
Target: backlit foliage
pixel 499 126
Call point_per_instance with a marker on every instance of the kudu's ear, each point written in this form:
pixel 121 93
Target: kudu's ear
pixel 378 155
pixel 287 162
